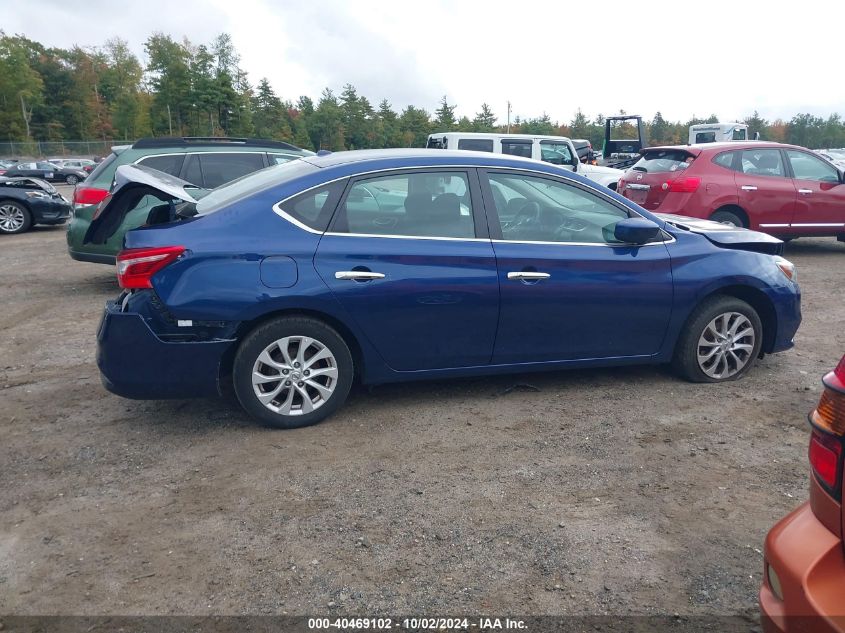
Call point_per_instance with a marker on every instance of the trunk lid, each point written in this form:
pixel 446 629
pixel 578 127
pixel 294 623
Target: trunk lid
pixel 727 236
pixel 140 190
pixel 646 182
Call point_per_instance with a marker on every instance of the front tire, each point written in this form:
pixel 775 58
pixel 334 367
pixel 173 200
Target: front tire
pixel 720 341
pixel 14 218
pixel 71 179
pixel 292 372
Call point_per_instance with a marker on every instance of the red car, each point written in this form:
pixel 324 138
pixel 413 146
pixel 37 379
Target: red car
pixel 783 190
pixel 804 570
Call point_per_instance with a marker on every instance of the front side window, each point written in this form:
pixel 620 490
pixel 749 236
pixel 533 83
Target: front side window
pixel 540 210
pixel 476 144
pixel 555 153
pixel 762 162
pixel 429 204
pixel 705 137
pixel 806 167
pixel 517 148
pixel 739 134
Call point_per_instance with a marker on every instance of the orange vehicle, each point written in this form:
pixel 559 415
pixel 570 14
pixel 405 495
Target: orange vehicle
pixel 804 574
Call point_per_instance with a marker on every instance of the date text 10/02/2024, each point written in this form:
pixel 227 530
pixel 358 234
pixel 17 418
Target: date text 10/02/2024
pixel 417 624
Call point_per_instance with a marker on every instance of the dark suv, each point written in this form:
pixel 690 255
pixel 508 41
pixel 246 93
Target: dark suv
pixel 207 162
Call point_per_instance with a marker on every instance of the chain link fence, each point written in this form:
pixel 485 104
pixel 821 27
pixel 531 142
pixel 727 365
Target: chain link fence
pixel 55 149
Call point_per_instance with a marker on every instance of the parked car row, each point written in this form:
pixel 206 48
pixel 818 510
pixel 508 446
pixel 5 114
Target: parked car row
pixel 27 201
pixel 48 171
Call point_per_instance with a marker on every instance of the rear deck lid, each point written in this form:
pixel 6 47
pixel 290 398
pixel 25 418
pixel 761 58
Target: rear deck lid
pixel 136 186
pixel 644 182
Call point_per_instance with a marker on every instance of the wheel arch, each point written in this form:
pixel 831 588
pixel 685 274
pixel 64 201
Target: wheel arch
pixel 758 300
pixel 225 373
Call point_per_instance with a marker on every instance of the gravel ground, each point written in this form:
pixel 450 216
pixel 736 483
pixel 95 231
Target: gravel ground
pixel 618 491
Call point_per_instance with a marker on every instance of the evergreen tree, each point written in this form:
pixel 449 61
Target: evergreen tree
pixel 485 120
pixel 445 116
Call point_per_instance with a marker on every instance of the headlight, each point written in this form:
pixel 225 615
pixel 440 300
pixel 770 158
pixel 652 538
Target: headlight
pixel 37 194
pixel 787 268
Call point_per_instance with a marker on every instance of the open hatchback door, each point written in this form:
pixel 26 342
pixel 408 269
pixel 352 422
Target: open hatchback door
pixel 147 195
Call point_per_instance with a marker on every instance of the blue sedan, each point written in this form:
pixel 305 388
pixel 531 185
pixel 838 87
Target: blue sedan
pixel 398 265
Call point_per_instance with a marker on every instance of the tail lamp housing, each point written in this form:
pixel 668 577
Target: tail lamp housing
pixel 828 434
pixel 136 266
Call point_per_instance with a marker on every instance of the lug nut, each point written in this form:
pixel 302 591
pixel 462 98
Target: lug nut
pixel 285 371
pixel 306 373
pixel 287 383
pixel 296 364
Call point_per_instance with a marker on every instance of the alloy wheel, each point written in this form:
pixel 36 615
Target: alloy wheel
pixel 726 344
pixel 294 375
pixel 11 218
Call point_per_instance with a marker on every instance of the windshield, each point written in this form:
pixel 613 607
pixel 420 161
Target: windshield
pixel 251 184
pixel 663 161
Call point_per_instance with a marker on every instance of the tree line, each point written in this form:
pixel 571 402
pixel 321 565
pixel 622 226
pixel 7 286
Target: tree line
pixel 186 89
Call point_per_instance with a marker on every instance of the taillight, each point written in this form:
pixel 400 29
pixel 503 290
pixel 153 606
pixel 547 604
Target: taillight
pixel 136 266
pixel 828 420
pixel 682 185
pixel 89 195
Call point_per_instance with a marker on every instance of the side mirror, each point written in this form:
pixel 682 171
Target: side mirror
pixel 756 136
pixel 636 231
pixel 575 161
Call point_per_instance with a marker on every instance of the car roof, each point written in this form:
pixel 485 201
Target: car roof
pixel 496 135
pixel 725 145
pixel 414 156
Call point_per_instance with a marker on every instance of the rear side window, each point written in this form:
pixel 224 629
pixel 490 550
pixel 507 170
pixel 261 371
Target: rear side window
pixel 431 204
pixel 725 159
pixel 663 161
pixel 219 168
pixel 170 164
pixel 705 137
pixel 517 148
pixel 762 162
pixel 476 144
pixel 314 208
pixel 278 159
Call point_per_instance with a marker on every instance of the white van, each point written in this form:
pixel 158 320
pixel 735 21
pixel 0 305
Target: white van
pixel 557 150
pixel 717 132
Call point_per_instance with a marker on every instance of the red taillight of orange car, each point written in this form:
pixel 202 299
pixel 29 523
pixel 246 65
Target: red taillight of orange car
pixel 826 441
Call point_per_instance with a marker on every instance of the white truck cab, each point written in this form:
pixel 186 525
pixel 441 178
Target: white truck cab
pixel 717 132
pixel 557 150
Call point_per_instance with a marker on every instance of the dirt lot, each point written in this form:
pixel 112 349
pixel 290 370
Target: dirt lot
pixel 607 491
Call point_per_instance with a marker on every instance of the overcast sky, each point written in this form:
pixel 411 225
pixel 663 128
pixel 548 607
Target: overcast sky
pixel 681 58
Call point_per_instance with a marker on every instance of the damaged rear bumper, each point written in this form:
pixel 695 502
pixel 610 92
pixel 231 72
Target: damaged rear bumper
pixel 135 363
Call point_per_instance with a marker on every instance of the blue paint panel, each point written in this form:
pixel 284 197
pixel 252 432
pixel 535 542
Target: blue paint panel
pixel 278 271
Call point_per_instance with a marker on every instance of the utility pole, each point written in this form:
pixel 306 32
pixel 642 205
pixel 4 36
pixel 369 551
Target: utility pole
pixel 509 117
pixel 169 120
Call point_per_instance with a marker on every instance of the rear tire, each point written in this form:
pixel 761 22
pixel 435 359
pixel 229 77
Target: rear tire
pixel 720 341
pixel 71 179
pixel 292 372
pixel 728 217
pixel 14 218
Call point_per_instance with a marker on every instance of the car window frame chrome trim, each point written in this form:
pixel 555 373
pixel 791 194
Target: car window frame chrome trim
pixel 277 209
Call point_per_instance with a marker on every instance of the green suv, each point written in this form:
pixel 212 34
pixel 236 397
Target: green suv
pixel 207 162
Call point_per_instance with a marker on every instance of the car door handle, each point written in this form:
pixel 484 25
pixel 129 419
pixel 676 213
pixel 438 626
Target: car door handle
pixel 528 276
pixel 805 192
pixel 749 188
pixel 357 275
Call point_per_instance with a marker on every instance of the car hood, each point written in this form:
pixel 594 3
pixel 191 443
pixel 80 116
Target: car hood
pixel 726 235
pixel 25 182
pixel 131 184
pixel 598 169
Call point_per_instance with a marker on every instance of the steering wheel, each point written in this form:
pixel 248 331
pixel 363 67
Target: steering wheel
pixel 529 213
